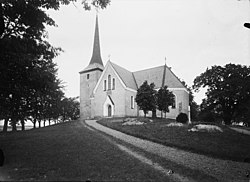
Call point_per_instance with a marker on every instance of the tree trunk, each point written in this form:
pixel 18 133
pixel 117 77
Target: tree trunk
pixel 44 123
pixel 39 122
pixel 23 124
pixel 5 126
pixel 49 122
pixel 227 118
pixel 154 114
pixel 161 114
pixel 14 125
pixel 34 123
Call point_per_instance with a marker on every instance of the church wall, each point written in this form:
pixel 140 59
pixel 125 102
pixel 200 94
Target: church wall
pixel 131 106
pixel 182 103
pixel 117 95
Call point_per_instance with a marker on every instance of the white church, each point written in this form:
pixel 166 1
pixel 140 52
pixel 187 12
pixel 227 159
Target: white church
pixel 110 90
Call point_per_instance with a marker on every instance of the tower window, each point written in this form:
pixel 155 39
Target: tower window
pixel 105 85
pixel 109 82
pixel 113 86
pixel 87 76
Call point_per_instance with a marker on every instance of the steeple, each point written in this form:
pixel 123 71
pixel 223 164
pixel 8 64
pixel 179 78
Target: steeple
pixel 96 55
pixel 96 60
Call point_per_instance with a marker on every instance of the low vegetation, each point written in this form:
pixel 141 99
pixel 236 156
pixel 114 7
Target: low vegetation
pixel 225 145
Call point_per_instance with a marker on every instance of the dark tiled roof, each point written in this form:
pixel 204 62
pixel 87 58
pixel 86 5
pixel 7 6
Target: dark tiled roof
pixel 153 75
pixel 126 76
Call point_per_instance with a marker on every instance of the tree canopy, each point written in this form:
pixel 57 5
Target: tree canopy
pixel 228 91
pixel 146 97
pixel 165 98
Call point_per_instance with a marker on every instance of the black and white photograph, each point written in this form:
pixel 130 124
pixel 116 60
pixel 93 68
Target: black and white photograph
pixel 122 90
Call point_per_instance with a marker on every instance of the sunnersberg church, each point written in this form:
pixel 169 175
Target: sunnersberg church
pixel 110 91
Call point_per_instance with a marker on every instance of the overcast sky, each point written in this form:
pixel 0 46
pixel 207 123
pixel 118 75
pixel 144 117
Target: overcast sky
pixel 139 34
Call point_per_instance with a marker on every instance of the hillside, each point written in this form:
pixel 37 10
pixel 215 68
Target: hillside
pixel 68 151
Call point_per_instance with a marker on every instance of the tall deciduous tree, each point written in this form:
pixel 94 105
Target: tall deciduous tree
pixel 228 90
pixel 165 98
pixel 146 97
pixel 26 67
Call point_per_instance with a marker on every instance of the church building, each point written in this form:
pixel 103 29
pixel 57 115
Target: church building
pixel 110 90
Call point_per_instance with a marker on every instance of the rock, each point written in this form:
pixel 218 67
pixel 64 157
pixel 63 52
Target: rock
pixel 175 124
pixel 205 128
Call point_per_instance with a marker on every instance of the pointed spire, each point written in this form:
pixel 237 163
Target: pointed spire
pixel 96 55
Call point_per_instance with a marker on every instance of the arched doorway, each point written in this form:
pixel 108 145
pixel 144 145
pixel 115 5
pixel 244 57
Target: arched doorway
pixel 109 111
pixel 108 107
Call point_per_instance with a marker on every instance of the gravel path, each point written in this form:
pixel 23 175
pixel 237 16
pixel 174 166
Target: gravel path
pixel 246 132
pixel 223 170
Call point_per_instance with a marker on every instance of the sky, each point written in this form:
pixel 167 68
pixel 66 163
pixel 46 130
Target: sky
pixel 192 35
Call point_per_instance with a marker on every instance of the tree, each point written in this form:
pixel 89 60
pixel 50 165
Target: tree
pixel 146 97
pixel 70 108
pixel 165 98
pixel 26 66
pixel 228 90
pixel 194 107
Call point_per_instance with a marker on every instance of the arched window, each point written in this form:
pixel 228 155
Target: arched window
pixel 105 85
pixel 113 85
pixel 174 103
pixel 109 82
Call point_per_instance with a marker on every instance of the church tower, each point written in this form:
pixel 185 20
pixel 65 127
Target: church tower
pixel 90 76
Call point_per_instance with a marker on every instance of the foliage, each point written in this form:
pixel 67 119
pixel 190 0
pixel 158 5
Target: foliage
pixel 164 99
pixel 70 108
pixel 228 91
pixel 182 118
pixel 146 97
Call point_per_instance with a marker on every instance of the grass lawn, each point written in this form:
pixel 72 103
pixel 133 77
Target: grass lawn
pixel 227 145
pixel 69 151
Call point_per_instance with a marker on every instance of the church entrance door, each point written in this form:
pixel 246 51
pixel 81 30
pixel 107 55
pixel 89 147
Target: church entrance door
pixel 109 111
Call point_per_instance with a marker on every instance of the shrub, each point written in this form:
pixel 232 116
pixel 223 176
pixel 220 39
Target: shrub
pixel 182 118
pixel 207 117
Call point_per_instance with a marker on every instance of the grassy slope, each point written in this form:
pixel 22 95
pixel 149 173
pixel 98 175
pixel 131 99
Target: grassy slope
pixel 227 145
pixel 69 152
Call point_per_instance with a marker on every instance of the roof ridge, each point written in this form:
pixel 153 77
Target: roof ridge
pixel 135 80
pixel 164 75
pixel 148 68
pixel 119 66
pixel 177 78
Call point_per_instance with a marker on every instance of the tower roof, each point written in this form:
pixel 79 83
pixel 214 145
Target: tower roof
pixel 96 55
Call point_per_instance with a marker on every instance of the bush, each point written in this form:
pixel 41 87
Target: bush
pixel 182 118
pixel 207 117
